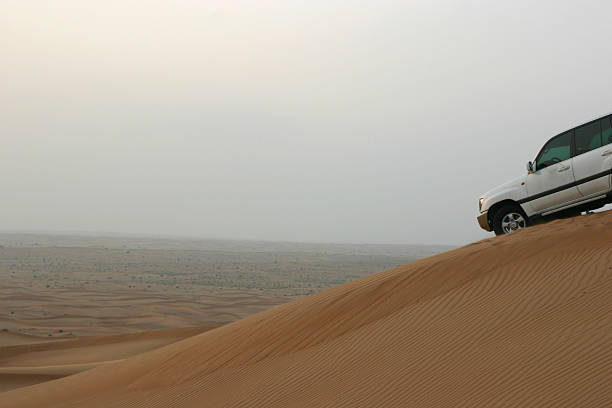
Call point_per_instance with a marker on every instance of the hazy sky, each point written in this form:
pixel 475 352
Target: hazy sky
pixel 334 121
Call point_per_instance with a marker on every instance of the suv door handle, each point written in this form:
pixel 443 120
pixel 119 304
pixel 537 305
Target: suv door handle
pixel 606 153
pixel 563 168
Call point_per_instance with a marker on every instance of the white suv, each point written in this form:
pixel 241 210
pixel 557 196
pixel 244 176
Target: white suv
pixel 571 174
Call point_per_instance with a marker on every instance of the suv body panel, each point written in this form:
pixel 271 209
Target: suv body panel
pixel 513 190
pixel 592 163
pixel 542 185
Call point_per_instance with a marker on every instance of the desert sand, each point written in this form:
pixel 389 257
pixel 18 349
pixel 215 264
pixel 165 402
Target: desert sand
pixel 79 285
pixel 523 320
pixel 85 290
pixel 31 360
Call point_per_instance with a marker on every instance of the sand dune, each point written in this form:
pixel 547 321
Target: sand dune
pixel 523 320
pixel 11 339
pixel 28 363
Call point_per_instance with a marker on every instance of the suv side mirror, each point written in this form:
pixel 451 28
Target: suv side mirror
pixel 529 167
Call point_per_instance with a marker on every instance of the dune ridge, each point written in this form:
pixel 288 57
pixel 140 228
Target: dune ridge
pixel 520 320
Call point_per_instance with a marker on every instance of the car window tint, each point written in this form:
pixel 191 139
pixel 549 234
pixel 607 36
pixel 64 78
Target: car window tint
pixel 588 137
pixel 555 151
pixel 606 131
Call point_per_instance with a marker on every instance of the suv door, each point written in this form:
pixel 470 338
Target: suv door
pixel 593 157
pixel 551 184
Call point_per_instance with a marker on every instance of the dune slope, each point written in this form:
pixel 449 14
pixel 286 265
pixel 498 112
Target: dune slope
pixel 522 320
pixel 35 362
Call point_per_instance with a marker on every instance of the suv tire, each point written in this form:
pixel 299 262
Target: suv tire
pixel 508 218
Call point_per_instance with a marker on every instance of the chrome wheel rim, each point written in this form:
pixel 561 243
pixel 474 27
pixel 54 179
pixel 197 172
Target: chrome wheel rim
pixel 512 222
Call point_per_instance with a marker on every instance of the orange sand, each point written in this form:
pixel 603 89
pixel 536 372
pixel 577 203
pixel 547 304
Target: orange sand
pixel 26 361
pixel 523 320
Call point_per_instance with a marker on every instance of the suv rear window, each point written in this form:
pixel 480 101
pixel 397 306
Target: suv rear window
pixel 588 137
pixel 606 131
pixel 555 151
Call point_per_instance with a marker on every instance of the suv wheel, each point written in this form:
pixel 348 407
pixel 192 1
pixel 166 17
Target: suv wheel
pixel 509 218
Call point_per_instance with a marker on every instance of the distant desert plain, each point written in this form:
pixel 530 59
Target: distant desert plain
pixel 71 302
pixel 522 320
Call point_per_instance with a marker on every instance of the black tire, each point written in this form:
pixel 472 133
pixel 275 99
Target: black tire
pixel 502 212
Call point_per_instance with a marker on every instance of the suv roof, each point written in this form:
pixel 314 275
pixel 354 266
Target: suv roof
pixel 583 123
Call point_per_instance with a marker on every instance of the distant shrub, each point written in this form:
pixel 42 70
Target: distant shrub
pixel 5 330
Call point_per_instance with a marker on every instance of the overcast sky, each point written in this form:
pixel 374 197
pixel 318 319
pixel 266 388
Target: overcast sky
pixel 332 121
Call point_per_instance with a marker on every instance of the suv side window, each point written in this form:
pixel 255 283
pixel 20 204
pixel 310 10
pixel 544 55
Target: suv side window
pixel 556 150
pixel 588 137
pixel 606 131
